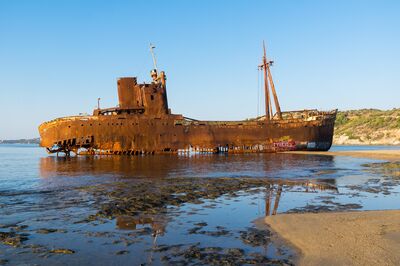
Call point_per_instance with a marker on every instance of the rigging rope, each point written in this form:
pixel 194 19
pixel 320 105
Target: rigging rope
pixel 258 92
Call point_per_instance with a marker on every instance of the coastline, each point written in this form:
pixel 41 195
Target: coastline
pixel 342 238
pixel 390 155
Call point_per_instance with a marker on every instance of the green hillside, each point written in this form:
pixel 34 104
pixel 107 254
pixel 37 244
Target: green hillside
pixel 368 126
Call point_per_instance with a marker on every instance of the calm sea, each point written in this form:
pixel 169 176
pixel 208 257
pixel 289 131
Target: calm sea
pixel 39 192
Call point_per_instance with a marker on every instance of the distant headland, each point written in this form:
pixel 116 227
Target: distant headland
pixel 367 127
pixel 20 141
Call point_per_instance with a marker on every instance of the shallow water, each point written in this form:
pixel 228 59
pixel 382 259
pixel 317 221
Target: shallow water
pixel 364 147
pixel 59 204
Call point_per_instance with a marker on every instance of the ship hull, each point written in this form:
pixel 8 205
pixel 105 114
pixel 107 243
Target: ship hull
pixel 135 134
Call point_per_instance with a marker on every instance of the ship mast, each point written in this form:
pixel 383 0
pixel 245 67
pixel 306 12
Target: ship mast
pixel 265 66
pixel 154 57
pixel 266 89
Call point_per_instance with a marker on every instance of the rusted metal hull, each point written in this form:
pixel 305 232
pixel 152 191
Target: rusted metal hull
pixel 137 134
pixel 142 123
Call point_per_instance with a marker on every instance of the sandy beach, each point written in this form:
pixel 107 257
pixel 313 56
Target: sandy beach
pixel 390 155
pixel 347 238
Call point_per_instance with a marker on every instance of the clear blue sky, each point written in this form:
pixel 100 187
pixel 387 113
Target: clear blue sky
pixel 57 57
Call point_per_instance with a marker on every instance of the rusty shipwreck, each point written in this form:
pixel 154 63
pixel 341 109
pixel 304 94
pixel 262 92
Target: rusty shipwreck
pixel 142 123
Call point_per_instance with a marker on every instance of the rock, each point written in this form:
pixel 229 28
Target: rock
pixel 12 238
pixel 122 252
pixel 255 237
pixel 194 230
pixel 45 231
pixel 201 224
pixel 62 251
pixel 237 252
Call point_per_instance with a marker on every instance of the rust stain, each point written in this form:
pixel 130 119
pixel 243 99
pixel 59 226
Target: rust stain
pixel 142 123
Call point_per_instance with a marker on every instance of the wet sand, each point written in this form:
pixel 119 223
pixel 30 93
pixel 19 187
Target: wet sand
pixel 347 238
pixel 390 155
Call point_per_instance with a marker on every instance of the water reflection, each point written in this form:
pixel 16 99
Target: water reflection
pixel 161 166
pixel 274 190
pixel 158 224
pixel 283 173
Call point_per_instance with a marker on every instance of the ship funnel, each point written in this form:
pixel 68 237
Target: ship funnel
pixel 129 94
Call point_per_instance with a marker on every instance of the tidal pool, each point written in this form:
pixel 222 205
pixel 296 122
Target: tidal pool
pixel 156 210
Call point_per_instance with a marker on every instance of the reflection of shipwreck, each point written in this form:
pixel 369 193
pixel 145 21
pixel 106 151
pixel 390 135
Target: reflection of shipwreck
pixel 308 186
pixel 143 124
pixel 157 224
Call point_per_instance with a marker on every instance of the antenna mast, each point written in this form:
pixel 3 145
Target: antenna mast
pixel 154 57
